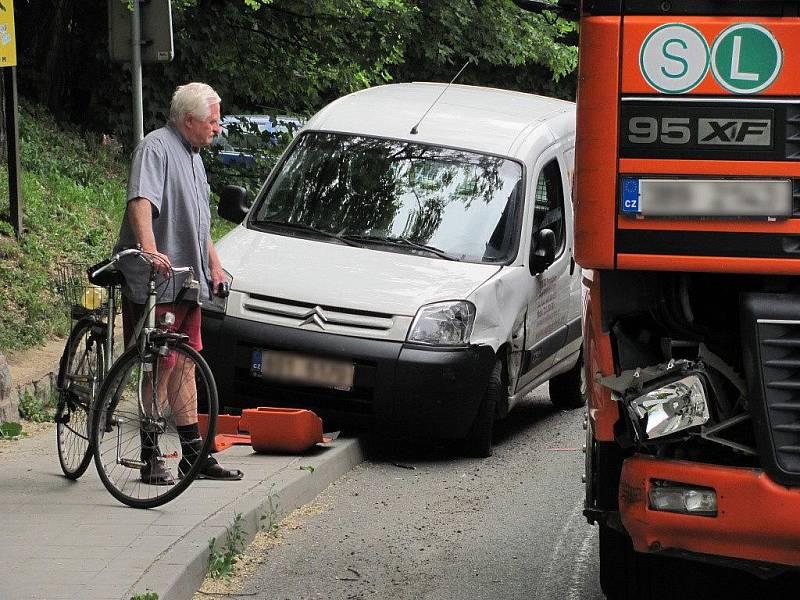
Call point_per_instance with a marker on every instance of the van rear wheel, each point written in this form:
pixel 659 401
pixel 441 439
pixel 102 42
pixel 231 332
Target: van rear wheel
pixel 478 442
pixel 568 390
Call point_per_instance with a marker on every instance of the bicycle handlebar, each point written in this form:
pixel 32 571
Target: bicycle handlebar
pixel 136 251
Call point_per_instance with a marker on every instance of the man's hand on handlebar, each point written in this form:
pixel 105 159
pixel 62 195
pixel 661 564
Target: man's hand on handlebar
pixel 160 262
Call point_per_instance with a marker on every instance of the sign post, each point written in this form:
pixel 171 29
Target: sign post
pixel 138 36
pixel 8 63
pixel 136 73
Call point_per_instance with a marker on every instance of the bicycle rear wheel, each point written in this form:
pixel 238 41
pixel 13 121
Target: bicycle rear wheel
pixel 136 419
pixel 79 377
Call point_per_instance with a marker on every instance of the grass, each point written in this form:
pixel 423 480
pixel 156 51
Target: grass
pixel 10 430
pixel 221 562
pixel 74 197
pixel 269 520
pixel 145 596
pixel 33 409
pixel 73 192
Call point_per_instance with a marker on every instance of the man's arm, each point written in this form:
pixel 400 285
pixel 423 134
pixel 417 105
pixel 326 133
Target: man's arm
pixel 140 216
pixel 217 274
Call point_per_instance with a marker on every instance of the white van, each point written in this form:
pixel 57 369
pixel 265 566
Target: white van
pixel 408 261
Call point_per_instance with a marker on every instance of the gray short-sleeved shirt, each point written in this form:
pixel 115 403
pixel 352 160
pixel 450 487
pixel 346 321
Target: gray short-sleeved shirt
pixel 168 172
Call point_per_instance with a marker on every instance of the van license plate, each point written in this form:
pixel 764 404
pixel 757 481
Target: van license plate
pixel 304 370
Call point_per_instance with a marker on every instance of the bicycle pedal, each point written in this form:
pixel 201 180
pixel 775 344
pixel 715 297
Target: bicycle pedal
pixel 132 463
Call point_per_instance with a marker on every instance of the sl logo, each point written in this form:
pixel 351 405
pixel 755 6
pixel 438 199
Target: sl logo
pixel 745 58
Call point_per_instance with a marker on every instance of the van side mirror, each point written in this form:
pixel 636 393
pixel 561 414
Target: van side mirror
pixel 543 251
pixel 233 204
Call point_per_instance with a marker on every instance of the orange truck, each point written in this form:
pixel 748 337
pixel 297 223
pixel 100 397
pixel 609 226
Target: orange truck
pixel 687 212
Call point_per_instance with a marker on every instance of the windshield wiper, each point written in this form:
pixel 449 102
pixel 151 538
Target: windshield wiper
pixel 401 241
pixel 309 228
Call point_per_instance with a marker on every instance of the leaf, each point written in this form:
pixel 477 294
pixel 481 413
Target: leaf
pixel 11 430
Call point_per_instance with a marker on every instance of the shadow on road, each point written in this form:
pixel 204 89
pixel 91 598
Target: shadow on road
pixel 396 448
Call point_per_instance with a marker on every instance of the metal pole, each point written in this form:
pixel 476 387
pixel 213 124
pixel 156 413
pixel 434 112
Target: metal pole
pixel 136 72
pixel 12 138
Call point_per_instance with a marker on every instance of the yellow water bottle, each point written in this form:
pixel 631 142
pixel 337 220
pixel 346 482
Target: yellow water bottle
pixel 93 297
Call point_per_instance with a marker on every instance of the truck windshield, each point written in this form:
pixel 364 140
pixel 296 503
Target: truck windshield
pixel 396 196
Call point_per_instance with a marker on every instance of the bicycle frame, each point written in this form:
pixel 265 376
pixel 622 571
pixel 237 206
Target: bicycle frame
pixel 143 331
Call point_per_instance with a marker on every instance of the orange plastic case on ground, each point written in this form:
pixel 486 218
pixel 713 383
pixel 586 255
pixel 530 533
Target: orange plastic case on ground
pixel 289 430
pixel 228 432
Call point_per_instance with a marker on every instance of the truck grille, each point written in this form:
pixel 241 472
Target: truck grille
pixel 774 378
pixel 780 358
pixel 792 138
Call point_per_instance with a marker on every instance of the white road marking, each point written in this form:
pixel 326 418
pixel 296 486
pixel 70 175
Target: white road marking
pixel 547 578
pixel 581 566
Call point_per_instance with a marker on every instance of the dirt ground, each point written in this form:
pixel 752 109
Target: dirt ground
pixel 35 440
pixel 33 364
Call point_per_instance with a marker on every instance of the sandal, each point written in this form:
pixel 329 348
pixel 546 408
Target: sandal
pixel 214 470
pixel 156 472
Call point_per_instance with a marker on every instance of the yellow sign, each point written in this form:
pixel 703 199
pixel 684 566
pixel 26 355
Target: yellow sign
pixel 8 38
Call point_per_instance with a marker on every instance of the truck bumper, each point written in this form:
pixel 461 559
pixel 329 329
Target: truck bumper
pixel 757 519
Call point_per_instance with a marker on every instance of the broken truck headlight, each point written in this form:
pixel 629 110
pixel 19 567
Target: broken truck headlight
pixel 670 496
pixel 443 324
pixel 675 406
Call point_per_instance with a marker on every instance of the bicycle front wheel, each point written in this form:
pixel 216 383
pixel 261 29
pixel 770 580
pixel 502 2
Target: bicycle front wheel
pixel 142 420
pixel 79 378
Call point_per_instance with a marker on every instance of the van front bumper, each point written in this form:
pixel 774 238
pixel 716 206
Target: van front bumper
pixel 756 518
pixel 433 392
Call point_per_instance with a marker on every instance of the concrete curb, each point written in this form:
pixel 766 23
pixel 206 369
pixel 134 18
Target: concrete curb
pixel 178 572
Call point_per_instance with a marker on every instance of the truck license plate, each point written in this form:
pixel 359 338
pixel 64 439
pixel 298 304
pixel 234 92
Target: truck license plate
pixel 687 198
pixel 303 370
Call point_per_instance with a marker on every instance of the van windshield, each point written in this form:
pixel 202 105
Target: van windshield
pixel 396 196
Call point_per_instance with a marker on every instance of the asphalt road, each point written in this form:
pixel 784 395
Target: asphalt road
pixel 422 523
pixel 509 526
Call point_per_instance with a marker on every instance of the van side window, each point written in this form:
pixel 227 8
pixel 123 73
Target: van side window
pixel 549 203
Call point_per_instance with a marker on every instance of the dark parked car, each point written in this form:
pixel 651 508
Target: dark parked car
pixel 242 136
pixel 247 148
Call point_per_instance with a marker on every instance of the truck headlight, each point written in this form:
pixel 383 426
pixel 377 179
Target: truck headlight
pixel 670 496
pixel 676 406
pixel 443 324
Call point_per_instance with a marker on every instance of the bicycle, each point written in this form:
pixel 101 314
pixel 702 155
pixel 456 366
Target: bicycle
pixel 84 362
pixel 150 390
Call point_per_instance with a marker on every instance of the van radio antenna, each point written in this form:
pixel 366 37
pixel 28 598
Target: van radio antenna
pixel 414 129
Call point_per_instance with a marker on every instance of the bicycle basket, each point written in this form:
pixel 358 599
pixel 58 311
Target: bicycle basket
pixel 78 295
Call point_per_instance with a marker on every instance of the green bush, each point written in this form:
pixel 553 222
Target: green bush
pixel 33 409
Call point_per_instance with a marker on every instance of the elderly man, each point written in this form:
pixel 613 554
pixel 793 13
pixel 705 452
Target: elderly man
pixel 168 216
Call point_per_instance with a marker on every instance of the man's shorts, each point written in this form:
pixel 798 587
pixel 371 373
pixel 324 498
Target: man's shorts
pixel 187 320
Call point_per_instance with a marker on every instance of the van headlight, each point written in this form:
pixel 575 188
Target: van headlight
pixel 443 324
pixel 675 406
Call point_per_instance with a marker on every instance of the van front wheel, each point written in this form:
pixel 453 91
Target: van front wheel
pixel 478 442
pixel 568 390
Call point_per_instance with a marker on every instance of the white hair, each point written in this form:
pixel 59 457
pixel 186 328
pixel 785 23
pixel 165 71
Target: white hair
pixel 192 99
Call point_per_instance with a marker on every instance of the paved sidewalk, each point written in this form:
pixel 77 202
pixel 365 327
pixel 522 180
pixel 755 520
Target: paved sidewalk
pixel 61 539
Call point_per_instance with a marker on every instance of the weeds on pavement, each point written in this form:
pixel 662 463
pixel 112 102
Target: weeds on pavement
pixel 269 520
pixel 221 563
pixel 145 596
pixel 33 409
pixel 11 431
